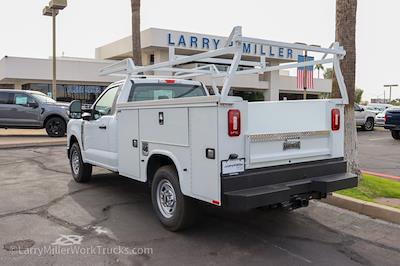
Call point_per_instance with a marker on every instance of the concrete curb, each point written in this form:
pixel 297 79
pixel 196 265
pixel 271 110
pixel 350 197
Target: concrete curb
pixel 32 145
pixel 371 209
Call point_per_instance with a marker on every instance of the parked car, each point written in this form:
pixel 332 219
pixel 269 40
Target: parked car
pixel 364 119
pixel 392 121
pixel 380 119
pixel 378 107
pixel 33 110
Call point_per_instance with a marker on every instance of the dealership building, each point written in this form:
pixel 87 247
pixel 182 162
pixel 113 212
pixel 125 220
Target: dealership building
pixel 78 78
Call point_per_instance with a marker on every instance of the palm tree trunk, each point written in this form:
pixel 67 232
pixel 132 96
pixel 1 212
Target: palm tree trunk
pixel 346 11
pixel 136 44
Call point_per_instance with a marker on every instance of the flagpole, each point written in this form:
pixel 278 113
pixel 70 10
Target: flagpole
pixel 305 77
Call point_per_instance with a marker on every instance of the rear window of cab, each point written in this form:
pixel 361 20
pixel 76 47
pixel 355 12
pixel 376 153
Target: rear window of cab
pixel 157 91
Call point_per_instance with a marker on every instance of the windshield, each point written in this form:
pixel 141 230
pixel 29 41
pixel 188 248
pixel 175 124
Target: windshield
pixel 376 108
pixel 43 98
pixel 148 92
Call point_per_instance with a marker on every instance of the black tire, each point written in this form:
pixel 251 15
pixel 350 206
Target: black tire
pixel 369 124
pixel 395 134
pixel 184 208
pixel 83 172
pixel 56 127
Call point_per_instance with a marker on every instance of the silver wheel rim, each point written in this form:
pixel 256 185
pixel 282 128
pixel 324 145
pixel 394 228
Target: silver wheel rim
pixel 75 162
pixel 166 198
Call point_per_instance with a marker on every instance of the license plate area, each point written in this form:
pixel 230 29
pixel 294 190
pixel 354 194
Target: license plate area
pixel 291 144
pixel 232 167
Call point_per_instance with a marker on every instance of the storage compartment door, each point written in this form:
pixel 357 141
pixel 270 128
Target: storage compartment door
pixel 128 143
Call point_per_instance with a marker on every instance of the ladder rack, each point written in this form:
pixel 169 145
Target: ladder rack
pixel 233 46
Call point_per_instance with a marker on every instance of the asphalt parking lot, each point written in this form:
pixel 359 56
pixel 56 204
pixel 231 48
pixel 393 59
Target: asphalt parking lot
pixel 42 207
pixel 379 152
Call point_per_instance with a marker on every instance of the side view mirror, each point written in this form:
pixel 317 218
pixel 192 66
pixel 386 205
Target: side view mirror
pixel 33 105
pixel 87 116
pixel 75 109
pixel 362 110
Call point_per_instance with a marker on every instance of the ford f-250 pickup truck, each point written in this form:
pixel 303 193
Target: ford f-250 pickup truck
pixel 392 122
pixel 190 146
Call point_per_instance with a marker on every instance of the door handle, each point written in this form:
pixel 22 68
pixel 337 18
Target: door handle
pixel 102 127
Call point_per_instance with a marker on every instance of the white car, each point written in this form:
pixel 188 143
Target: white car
pixel 377 108
pixel 190 147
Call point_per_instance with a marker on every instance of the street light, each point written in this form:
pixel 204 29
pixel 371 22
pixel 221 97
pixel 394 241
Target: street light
pixel 52 10
pixel 390 91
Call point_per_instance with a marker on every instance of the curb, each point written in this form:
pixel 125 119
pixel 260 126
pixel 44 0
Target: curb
pixel 381 175
pixel 370 209
pixel 32 145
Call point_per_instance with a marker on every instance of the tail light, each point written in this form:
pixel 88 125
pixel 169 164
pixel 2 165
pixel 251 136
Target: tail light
pixel 233 123
pixel 385 119
pixel 335 119
pixel 170 81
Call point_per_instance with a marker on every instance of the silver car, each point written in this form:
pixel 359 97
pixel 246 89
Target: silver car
pixel 32 109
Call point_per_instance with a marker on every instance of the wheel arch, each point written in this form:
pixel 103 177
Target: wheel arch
pixel 53 116
pixel 159 158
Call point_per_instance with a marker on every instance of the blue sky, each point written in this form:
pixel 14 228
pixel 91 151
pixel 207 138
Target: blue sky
pixel 87 24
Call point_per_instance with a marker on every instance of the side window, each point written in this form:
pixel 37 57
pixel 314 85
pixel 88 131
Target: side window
pixel 22 99
pixel 357 107
pixel 106 104
pixel 4 98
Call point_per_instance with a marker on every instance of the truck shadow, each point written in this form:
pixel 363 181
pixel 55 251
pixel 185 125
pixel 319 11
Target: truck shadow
pixel 122 208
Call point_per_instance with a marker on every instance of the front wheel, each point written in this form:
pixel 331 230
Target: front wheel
pixel 369 124
pixel 395 134
pixel 55 127
pixel 81 172
pixel 174 210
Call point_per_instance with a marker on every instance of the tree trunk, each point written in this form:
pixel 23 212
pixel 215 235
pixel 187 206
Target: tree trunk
pixel 346 11
pixel 136 44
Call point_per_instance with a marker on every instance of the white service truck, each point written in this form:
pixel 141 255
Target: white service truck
pixel 190 146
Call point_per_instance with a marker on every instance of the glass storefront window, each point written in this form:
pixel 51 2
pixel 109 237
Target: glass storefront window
pixel 69 92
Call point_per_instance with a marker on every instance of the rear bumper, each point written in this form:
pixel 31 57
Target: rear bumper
pixel 284 184
pixel 392 127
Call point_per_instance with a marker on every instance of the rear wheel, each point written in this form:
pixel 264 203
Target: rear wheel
pixel 81 172
pixel 55 127
pixel 174 210
pixel 369 124
pixel 395 134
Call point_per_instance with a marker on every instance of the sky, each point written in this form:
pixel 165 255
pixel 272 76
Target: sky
pixel 85 25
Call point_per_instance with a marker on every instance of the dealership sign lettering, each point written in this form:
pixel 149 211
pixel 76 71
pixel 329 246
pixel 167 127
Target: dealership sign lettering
pixel 207 43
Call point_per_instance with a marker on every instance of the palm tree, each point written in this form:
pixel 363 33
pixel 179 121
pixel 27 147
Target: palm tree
pixel 136 45
pixel 346 11
pixel 319 67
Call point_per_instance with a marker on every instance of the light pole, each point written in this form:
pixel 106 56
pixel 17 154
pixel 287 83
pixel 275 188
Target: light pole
pixel 390 91
pixel 52 10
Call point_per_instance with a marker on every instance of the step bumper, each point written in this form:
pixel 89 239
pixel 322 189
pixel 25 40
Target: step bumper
pixel 316 187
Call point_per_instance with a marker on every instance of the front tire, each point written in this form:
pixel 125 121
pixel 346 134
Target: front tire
pixel 369 124
pixel 395 134
pixel 55 127
pixel 174 210
pixel 81 172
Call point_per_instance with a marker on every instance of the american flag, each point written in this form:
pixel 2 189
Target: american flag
pixel 300 73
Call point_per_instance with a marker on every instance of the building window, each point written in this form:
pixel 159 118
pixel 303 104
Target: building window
pixel 152 59
pixel 7 86
pixel 69 92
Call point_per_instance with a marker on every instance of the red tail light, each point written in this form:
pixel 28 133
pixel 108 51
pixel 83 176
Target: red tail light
pixel 233 123
pixel 385 119
pixel 335 119
pixel 170 81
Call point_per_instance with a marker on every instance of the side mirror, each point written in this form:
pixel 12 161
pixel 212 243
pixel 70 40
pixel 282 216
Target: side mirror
pixel 361 109
pixel 75 109
pixel 87 116
pixel 33 105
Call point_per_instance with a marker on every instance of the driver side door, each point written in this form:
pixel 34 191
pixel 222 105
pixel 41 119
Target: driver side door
pixel 97 130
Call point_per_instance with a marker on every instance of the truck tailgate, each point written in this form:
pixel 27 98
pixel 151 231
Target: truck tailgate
pixel 288 132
